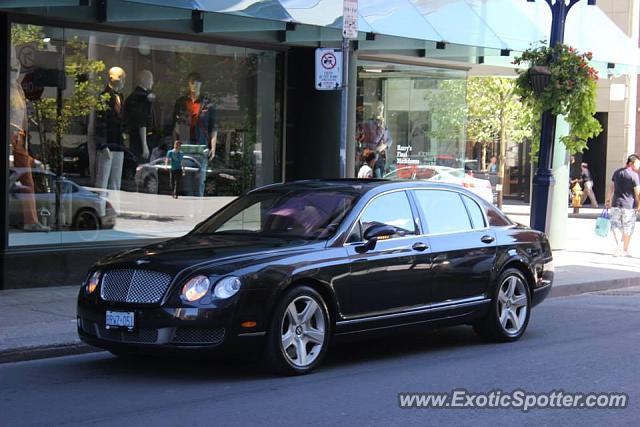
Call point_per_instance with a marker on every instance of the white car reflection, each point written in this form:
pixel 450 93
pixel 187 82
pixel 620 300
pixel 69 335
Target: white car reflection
pixel 481 187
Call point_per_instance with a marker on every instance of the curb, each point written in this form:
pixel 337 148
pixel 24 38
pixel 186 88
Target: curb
pixel 69 349
pixel 595 286
pixel 45 352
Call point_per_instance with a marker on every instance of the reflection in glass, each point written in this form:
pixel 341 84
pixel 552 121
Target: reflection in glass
pixel 93 115
pixel 412 117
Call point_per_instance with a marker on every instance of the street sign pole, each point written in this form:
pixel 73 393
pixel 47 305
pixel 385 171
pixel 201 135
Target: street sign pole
pixel 344 106
pixel 349 31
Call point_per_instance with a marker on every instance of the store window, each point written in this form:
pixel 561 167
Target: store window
pixel 95 117
pixel 412 118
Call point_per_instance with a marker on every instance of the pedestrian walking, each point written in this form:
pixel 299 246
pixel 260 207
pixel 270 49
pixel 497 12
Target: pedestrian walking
pixel 623 197
pixel 587 186
pixel 176 171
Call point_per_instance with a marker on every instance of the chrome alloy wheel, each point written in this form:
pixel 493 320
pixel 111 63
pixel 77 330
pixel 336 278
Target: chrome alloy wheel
pixel 512 305
pixel 302 331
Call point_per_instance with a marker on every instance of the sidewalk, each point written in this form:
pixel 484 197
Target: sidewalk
pixel 37 323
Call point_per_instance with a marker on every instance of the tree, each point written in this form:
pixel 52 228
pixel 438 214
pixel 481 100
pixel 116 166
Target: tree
pixel 495 110
pixel 59 112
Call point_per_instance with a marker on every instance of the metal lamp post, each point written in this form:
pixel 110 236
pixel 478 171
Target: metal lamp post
pixel 543 181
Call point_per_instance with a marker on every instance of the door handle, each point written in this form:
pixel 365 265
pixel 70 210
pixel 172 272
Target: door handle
pixel 487 239
pixel 419 246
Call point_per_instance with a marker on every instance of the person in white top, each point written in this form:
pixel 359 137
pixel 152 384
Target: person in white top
pixel 369 158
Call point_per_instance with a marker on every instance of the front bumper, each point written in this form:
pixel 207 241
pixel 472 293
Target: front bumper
pixel 165 329
pixel 543 282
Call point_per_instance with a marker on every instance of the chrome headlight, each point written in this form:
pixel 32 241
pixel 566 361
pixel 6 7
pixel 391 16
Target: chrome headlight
pixel 195 288
pixel 227 287
pixel 93 283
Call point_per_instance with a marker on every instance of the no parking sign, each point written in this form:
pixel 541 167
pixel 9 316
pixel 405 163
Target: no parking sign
pixel 328 69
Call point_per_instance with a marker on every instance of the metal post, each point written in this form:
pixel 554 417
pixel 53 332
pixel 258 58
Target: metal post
pixel 5 95
pixel 344 107
pixel 543 180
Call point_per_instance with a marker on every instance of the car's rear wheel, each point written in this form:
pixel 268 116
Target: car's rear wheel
pixel 510 310
pixel 299 333
pixel 86 219
pixel 150 185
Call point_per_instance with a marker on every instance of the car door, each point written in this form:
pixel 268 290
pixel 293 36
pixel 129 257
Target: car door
pixel 162 170
pixel 393 275
pixel 463 247
pixel 191 179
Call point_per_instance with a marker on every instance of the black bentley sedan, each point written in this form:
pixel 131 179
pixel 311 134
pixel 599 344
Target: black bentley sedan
pixel 288 268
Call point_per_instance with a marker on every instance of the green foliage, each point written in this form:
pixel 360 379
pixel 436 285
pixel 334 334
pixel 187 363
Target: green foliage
pixel 23 34
pixel 571 92
pixel 448 110
pixel 493 104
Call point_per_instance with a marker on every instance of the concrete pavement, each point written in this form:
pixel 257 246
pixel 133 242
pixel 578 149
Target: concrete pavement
pixel 36 323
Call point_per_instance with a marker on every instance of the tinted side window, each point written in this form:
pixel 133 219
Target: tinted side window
pixel 444 211
pixel 496 218
pixel 477 218
pixel 390 209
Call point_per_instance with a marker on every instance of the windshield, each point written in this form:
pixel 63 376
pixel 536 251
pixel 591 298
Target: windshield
pixel 307 214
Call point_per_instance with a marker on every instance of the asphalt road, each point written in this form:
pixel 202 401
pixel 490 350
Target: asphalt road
pixel 586 343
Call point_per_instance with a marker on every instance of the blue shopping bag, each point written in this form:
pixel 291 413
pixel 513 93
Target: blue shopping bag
pixel 603 224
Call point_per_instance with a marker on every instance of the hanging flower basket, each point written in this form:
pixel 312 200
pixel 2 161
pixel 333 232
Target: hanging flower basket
pixel 539 77
pixel 560 79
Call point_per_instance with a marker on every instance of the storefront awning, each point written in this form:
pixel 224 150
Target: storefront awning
pixel 497 25
pixel 512 25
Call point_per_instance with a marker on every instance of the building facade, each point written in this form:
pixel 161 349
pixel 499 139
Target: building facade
pixel 97 92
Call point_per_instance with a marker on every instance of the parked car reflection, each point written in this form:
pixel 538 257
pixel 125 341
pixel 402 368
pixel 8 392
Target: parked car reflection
pixel 154 178
pixel 81 209
pixel 481 187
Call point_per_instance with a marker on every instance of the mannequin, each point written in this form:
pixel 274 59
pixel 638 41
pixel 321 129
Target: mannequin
pixel 195 123
pixel 109 134
pixel 376 137
pixel 21 158
pixel 139 115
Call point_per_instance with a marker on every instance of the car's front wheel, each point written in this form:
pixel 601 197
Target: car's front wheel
pixel 299 333
pixel 510 309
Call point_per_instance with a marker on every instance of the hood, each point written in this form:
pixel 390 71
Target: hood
pixel 189 251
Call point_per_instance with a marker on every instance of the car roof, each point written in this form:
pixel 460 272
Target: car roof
pixel 361 186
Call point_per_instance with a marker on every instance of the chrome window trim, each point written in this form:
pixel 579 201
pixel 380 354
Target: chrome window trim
pixel 461 303
pixel 486 219
pixel 357 220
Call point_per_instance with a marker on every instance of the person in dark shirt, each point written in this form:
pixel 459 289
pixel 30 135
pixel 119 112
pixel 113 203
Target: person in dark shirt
pixel 109 134
pixel 623 197
pixel 139 116
pixel 587 186
pixel 195 124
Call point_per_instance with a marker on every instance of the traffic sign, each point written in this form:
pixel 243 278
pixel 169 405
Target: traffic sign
pixel 350 19
pixel 328 69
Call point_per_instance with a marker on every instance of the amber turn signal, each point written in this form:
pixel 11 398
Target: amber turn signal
pixel 248 324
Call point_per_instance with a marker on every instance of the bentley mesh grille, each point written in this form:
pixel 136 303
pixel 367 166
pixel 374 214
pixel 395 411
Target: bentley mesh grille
pixel 190 335
pixel 134 286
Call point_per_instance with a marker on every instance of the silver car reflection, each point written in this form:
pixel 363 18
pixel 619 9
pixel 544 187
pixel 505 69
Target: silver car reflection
pixel 80 208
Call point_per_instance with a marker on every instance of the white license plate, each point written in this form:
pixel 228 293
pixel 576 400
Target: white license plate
pixel 119 319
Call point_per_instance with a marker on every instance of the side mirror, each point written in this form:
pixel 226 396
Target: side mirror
pixel 379 232
pixel 373 234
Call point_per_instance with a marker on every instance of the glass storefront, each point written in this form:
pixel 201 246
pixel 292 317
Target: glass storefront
pixel 410 120
pixel 94 117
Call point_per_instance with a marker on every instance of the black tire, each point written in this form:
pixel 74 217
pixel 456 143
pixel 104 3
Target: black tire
pixel 150 185
pixel 493 327
pixel 280 359
pixel 86 219
pixel 210 188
